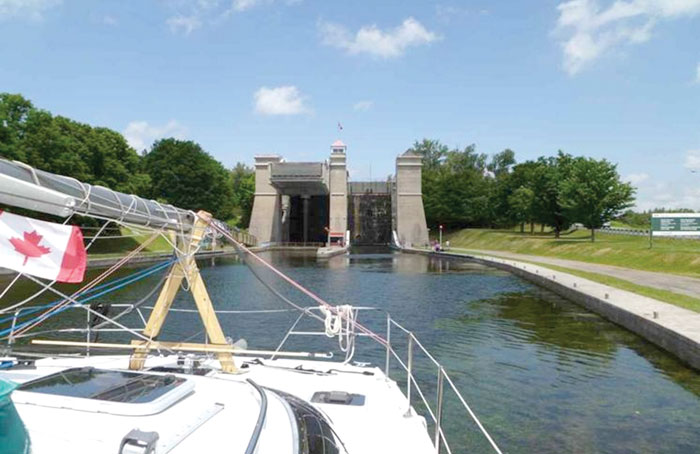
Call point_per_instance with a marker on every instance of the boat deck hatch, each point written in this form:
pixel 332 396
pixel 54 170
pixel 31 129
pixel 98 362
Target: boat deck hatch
pixel 338 398
pixel 115 392
pixel 109 385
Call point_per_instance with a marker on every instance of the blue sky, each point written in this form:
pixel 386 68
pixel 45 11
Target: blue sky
pixel 613 79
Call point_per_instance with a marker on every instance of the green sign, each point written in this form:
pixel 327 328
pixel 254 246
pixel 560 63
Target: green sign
pixel 675 224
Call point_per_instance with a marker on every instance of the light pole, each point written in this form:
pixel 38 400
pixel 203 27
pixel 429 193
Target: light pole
pixel 440 236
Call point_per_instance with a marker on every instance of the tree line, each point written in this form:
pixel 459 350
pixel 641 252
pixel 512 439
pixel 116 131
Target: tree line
pixel 174 171
pixel 461 187
pixel 464 188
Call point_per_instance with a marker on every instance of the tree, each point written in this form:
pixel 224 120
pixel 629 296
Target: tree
pixel 636 220
pixel 520 203
pixel 176 171
pixel 593 194
pixel 243 186
pixel 546 185
pixel 502 162
pixel 56 144
pixel 455 190
pixel 14 110
pixel 188 177
pixel 523 175
pixel 432 151
pixel 464 188
pixel 97 156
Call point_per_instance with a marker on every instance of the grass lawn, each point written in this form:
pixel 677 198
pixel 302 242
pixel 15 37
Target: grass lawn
pixel 622 225
pixel 676 256
pixel 106 246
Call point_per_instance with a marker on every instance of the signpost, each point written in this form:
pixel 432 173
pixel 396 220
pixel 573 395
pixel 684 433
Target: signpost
pixel 674 224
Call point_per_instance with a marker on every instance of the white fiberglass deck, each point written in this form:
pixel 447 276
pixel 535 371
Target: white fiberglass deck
pixel 220 413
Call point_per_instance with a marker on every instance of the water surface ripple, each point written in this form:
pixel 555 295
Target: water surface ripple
pixel 545 375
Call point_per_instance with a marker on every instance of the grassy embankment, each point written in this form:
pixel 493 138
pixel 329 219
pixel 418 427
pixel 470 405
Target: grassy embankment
pixel 675 256
pixel 127 241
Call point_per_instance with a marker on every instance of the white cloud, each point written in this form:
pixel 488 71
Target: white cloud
pixel 362 106
pixel 184 24
pixel 697 74
pixel 109 20
pixel 662 194
pixel 687 197
pixel 637 178
pixel 27 9
pixel 376 42
pixel 141 135
pixel 690 199
pixel 285 100
pixel 448 13
pixel 588 31
pixel 191 15
pixel 243 5
pixel 692 160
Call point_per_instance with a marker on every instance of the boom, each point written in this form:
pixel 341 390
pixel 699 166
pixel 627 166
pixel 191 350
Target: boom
pixel 26 187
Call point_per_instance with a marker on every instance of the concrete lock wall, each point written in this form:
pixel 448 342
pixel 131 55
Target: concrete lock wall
pixel 265 219
pixel 411 226
pixel 396 203
pixel 338 187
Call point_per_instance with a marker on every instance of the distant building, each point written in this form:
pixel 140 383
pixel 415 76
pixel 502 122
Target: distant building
pixel 313 202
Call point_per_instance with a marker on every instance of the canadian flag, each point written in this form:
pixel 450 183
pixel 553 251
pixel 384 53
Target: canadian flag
pixel 42 249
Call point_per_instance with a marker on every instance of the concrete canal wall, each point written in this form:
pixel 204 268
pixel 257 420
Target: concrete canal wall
pixel 670 327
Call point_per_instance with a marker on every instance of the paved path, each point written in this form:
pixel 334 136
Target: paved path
pixel 673 283
pixel 672 328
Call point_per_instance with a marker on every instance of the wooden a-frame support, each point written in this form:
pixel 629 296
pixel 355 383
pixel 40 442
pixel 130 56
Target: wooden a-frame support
pixel 201 298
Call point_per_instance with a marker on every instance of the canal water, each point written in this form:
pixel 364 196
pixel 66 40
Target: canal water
pixel 544 375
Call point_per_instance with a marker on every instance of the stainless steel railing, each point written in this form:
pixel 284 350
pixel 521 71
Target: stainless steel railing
pixel 443 380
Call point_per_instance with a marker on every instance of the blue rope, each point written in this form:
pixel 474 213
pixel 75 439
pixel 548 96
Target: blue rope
pixel 120 285
pixel 146 271
pixel 80 302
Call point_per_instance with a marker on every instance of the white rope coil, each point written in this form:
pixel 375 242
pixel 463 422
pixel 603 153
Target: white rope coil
pixel 334 327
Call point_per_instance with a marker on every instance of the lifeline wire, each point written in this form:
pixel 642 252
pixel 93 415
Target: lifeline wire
pixel 79 303
pixel 94 282
pixel 292 282
pixel 32 309
pixel 115 285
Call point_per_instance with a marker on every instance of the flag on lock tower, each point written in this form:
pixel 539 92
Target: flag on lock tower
pixel 42 249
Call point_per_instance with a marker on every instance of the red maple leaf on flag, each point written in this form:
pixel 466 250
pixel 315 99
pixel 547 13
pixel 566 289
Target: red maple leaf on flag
pixel 29 246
